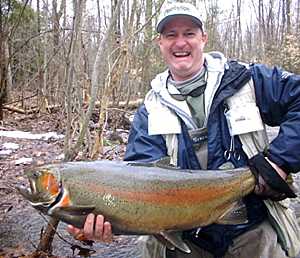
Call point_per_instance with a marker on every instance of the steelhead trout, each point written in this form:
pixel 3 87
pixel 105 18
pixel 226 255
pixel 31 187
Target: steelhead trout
pixel 137 198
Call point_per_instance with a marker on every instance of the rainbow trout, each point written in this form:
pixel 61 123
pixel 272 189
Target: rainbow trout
pixel 138 198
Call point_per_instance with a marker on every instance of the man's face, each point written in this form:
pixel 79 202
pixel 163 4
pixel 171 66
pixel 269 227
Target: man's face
pixel 181 44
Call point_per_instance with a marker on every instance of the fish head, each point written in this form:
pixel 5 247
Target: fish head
pixel 44 187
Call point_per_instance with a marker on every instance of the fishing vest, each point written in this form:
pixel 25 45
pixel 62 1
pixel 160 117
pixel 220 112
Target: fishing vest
pixel 280 214
pixel 244 120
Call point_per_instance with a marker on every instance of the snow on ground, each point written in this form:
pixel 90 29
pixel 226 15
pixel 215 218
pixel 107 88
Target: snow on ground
pixel 31 136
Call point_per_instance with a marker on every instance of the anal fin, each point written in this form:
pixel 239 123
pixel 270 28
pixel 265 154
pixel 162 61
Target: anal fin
pixel 237 214
pixel 174 240
pixel 164 241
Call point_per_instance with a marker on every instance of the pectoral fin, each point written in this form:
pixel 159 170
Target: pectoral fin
pixel 75 216
pixel 78 210
pixel 173 240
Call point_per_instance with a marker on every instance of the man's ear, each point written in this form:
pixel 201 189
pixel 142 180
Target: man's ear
pixel 157 39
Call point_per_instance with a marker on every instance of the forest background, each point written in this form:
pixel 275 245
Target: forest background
pixel 75 56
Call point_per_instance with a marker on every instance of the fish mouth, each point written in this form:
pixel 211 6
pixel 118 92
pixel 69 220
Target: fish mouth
pixel 28 190
pixel 40 200
pixel 24 191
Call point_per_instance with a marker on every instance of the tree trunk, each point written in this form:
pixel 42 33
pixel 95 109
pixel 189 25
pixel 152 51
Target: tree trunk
pixel 3 62
pixel 288 17
pixel 147 47
pixel 70 72
pixel 97 80
pixel 298 18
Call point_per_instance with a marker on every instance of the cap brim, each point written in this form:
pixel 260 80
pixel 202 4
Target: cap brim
pixel 160 26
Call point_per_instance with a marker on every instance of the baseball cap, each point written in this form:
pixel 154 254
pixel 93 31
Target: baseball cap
pixel 176 9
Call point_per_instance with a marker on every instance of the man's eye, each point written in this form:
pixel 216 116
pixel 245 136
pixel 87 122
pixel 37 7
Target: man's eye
pixel 190 34
pixel 169 35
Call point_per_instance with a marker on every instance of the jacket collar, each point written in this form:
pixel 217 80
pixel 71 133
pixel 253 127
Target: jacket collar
pixel 216 65
pixel 215 61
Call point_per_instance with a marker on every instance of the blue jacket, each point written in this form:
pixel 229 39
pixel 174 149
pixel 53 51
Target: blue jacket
pixel 278 98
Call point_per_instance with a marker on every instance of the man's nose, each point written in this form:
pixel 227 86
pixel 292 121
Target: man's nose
pixel 180 41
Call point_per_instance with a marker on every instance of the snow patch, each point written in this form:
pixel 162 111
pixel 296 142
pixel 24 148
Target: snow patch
pixel 5 152
pixel 60 157
pixel 31 136
pixel 8 148
pixel 23 161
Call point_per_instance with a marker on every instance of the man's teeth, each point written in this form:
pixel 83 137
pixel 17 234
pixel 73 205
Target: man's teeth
pixel 181 54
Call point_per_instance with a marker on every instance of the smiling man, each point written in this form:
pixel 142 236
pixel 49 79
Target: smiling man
pixel 208 112
pixel 181 43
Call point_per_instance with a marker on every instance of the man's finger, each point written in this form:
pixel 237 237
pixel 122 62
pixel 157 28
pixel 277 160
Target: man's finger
pixel 99 228
pixel 72 230
pixel 88 228
pixel 107 234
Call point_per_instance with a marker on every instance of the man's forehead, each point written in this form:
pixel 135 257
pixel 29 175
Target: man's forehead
pixel 181 23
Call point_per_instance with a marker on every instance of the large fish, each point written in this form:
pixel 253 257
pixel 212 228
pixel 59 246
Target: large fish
pixel 138 198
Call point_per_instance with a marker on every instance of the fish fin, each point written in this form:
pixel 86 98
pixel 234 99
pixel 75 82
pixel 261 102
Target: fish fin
pixel 237 214
pixel 139 164
pixel 75 216
pixel 174 239
pixel 164 241
pixel 163 162
pixel 78 210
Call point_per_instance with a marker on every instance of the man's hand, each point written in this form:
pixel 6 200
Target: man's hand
pixel 95 228
pixel 278 169
pixel 263 189
pixel 266 192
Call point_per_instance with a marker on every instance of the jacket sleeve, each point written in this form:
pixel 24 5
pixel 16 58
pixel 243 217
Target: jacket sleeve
pixel 278 98
pixel 142 146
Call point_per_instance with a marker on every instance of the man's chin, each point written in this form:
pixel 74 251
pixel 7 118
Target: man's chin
pixel 182 74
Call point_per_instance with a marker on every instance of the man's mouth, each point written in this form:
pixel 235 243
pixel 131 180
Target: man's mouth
pixel 182 54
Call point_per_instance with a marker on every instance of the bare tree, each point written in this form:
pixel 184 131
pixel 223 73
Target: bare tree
pixel 98 77
pixel 147 48
pixel 79 6
pixel 288 17
pixel 298 17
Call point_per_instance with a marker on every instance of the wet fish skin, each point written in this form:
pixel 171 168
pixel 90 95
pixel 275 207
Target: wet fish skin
pixel 137 199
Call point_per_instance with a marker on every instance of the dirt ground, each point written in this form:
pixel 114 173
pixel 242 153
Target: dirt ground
pixel 32 153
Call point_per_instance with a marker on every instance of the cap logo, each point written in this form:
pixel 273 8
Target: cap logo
pixel 176 8
pixel 184 9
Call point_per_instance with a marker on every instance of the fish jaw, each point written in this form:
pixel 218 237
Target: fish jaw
pixel 44 188
pixel 38 201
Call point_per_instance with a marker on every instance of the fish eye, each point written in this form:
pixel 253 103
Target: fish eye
pixel 36 174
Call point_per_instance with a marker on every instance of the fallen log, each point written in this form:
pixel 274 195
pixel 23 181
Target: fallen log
pixel 50 108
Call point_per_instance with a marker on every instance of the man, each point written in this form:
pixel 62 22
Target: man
pixel 198 114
